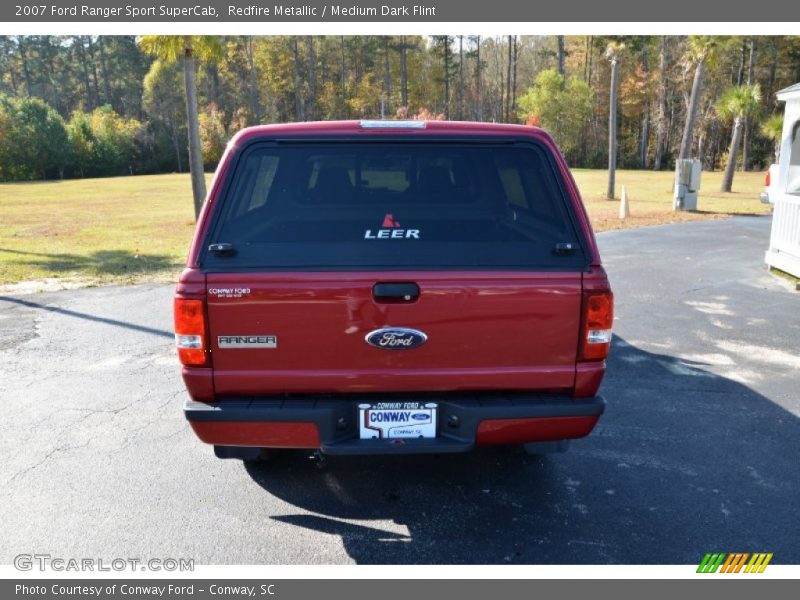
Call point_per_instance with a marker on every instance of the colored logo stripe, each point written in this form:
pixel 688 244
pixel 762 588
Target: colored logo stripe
pixel 710 563
pixel 758 563
pixel 734 562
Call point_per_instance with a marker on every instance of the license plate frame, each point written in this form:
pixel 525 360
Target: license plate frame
pixel 397 420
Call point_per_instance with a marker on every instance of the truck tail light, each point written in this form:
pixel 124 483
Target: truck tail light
pixel 767 178
pixel 190 332
pixel 598 318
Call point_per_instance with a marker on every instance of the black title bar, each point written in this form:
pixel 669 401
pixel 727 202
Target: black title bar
pixel 735 588
pixel 221 11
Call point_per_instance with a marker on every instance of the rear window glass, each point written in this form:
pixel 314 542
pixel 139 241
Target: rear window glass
pixel 394 205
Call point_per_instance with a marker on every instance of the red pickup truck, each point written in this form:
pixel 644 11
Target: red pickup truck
pixel 392 287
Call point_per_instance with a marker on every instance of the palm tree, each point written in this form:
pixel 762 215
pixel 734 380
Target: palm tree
pixel 737 103
pixel 701 48
pixel 662 104
pixel 613 52
pixel 189 49
pixel 772 129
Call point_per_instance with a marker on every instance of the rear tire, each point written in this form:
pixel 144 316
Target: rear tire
pixel 544 448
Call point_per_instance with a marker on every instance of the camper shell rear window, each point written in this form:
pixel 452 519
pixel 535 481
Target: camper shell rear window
pixel 360 205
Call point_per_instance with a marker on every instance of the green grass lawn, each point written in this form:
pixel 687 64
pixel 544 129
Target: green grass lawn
pixel 650 197
pixel 127 229
pixel 120 229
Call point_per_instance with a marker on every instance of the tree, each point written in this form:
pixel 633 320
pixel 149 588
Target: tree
pixel 644 138
pixel 22 47
pixel 746 126
pixel 563 108
pixel 508 78
pixel 115 141
pixel 514 79
pixel 386 96
pixel 252 78
pixel 80 50
pixel 274 59
pixel 34 139
pixel 343 72
pixel 442 43
pixel 366 96
pixel 661 131
pixel 213 135
pixel 44 137
pixel 188 48
pixel 299 104
pixel 561 53
pixel 7 138
pixel 102 142
pixel 162 102
pixel 478 78
pixel 106 85
pixel 81 142
pixel 461 77
pixel 403 48
pixel 700 48
pixel 613 52
pixel 736 103
pixel 772 129
pixel 281 78
pixel 312 79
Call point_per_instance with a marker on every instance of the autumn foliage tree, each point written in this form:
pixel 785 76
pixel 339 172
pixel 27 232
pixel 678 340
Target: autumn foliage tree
pixel 668 94
pixel 562 107
pixel 189 49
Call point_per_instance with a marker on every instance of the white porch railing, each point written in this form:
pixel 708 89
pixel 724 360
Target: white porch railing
pixel 784 243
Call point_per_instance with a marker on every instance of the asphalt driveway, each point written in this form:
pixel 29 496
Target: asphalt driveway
pixel 698 450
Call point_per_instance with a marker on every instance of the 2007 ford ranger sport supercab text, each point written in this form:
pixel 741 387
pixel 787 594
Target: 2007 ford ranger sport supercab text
pixel 392 287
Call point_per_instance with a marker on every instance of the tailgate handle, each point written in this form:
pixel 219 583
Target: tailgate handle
pixel 395 292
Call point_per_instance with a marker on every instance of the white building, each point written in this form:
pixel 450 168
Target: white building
pixel 784 243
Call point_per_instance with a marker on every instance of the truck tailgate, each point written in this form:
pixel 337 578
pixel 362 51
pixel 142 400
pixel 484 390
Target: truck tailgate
pixel 305 332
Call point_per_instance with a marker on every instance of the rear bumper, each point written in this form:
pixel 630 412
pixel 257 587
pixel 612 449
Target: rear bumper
pixel 331 425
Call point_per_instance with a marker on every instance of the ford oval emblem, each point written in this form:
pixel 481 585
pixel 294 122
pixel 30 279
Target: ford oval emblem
pixel 396 338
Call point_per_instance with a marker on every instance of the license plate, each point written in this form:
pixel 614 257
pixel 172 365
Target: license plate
pixel 395 420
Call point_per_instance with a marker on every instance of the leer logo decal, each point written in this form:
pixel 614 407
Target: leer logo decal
pixel 389 222
pixel 391 230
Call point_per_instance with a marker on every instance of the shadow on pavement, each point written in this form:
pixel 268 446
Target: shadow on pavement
pixel 684 462
pixel 87 316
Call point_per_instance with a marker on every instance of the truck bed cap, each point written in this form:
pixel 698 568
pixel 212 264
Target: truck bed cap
pixel 353 127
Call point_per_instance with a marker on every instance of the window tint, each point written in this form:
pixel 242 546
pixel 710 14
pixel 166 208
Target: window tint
pixel 395 205
pixel 253 186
